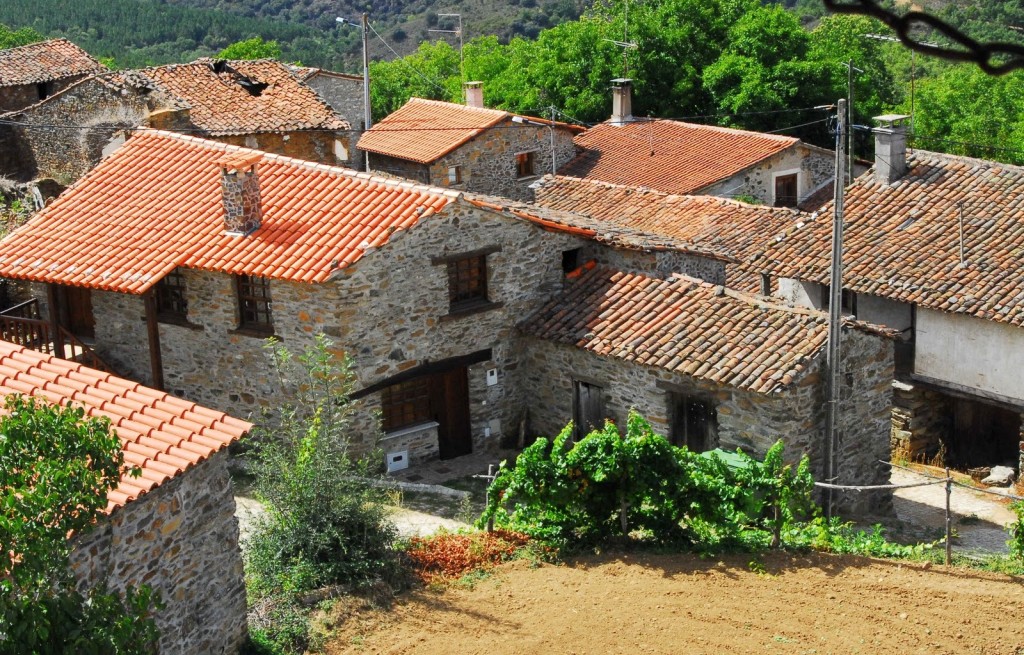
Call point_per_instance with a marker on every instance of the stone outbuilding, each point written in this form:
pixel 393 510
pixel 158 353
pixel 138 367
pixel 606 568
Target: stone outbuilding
pixel 33 72
pixel 710 368
pixel 688 158
pixel 932 249
pixel 173 527
pixel 259 104
pixel 344 93
pixel 468 147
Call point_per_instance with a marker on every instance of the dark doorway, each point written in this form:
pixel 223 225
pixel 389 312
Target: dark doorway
pixel 587 408
pixel 786 191
pixel 75 311
pixel 449 403
pixel 983 435
pixel 694 422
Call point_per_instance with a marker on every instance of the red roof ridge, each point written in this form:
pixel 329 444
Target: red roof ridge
pixel 725 130
pixel 496 114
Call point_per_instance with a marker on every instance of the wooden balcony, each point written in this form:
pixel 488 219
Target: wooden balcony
pixel 23 325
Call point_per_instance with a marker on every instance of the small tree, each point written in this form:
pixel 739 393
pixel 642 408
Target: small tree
pixel 254 48
pixel 56 468
pixel 325 524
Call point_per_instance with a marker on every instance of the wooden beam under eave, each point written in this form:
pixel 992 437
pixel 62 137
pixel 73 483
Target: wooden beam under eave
pixel 156 363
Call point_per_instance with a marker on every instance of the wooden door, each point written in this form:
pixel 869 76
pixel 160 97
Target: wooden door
pixel 449 400
pixel 76 314
pixel 786 194
pixel 588 408
pixel 693 422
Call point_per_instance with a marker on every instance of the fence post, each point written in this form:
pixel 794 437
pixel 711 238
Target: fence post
pixel 487 496
pixel 949 519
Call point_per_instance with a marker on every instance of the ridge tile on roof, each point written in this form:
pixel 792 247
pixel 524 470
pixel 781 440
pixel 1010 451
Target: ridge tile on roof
pixel 45 61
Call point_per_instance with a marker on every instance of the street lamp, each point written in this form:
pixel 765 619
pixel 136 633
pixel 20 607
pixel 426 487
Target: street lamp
pixel 364 25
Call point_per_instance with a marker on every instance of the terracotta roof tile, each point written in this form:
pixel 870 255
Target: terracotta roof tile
pixel 155 204
pixel 45 61
pixel 901 241
pixel 148 441
pixel 733 229
pixel 426 130
pixel 669 156
pixel 688 326
pixel 238 97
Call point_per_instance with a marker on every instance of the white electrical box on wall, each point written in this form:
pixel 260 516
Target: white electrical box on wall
pixel 397 460
pixel 492 377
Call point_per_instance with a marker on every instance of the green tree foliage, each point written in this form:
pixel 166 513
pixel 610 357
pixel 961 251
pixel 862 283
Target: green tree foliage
pixel 325 524
pixel 13 38
pixel 56 468
pixel 610 485
pixel 254 48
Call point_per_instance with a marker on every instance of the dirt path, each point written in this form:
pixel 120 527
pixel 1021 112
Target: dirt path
pixel 681 604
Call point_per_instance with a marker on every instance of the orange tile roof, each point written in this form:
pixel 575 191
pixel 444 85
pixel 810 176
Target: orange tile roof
pixel 426 130
pixel 156 204
pixel 686 326
pixel 733 229
pixel 901 241
pixel 220 104
pixel 669 156
pixel 161 434
pixel 45 61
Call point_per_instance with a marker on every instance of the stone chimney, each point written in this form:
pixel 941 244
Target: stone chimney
pixel 622 101
pixel 890 147
pixel 240 184
pixel 474 94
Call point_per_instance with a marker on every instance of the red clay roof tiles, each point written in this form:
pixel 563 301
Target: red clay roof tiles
pixel 45 61
pixel 426 130
pixel 901 241
pixel 684 325
pixel 149 441
pixel 156 204
pixel 669 156
pixel 238 97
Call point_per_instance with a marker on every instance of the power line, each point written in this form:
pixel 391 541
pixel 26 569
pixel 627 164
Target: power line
pixel 400 58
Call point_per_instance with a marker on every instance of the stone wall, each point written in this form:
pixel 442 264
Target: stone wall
pixel 389 312
pixel 182 540
pixel 345 95
pixel 410 170
pixel 13 98
pixel 658 263
pixel 921 419
pixel 813 166
pixel 315 145
pixel 67 155
pixel 746 420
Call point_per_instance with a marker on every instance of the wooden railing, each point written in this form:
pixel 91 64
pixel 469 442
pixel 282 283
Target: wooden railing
pixel 21 324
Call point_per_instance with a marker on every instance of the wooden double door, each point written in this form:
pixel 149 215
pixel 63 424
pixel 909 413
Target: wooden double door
pixel 74 310
pixel 449 406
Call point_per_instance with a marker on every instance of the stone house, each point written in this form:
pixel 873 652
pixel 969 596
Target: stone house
pixel 173 527
pixel 721 233
pixel 709 367
pixel 344 93
pixel 931 249
pixel 36 71
pixel 468 147
pixel 259 104
pixel 687 158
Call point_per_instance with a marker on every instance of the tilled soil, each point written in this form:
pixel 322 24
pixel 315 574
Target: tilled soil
pixel 644 603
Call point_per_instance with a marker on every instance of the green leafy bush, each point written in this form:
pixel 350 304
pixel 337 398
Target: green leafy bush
pixel 325 524
pixel 609 485
pixel 1016 530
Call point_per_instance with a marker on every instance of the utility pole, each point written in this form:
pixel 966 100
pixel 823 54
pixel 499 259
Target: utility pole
pixel 849 137
pixel 835 314
pixel 554 164
pixel 367 119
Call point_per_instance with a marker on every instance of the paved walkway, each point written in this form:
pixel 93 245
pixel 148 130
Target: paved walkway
pixel 979 518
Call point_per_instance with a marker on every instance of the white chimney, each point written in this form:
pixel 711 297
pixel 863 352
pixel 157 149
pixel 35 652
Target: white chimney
pixel 622 101
pixel 890 147
pixel 474 94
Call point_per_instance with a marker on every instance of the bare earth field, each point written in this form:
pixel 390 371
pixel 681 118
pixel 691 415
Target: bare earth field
pixel 643 603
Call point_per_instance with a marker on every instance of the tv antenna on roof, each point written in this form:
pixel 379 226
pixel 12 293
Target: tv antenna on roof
pixel 462 61
pixel 625 43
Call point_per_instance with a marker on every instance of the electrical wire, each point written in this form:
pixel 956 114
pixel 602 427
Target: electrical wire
pixel 399 57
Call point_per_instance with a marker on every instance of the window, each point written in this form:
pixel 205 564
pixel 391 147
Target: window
pixel 467 282
pixel 454 175
pixel 848 300
pixel 43 90
pixel 587 408
pixel 406 403
pixel 524 164
pixel 570 260
pixel 254 305
pixel 171 300
pixel 694 422
pixel 786 193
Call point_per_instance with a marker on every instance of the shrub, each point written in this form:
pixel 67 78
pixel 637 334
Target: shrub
pixel 448 556
pixel 1016 530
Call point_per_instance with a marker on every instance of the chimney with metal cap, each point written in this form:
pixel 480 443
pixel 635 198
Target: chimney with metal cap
pixel 240 185
pixel 622 101
pixel 890 147
pixel 474 94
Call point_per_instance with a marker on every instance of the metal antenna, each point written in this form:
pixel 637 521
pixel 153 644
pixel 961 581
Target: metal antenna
pixel 625 43
pixel 462 59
